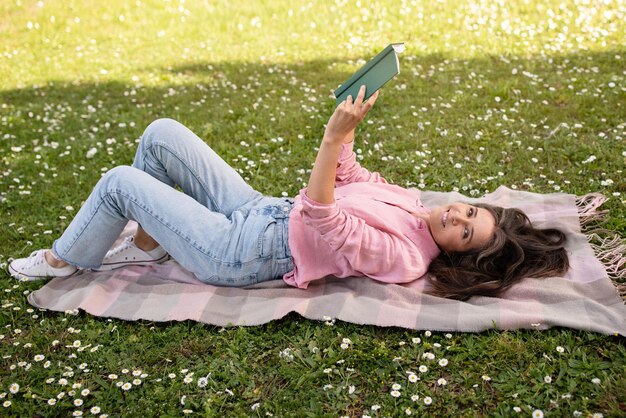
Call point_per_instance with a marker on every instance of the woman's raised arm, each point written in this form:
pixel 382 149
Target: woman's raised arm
pixel 339 131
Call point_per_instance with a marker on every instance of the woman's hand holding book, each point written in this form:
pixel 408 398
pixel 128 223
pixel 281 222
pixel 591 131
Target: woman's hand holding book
pixel 347 116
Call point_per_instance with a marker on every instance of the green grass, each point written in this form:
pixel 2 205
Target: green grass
pixel 517 93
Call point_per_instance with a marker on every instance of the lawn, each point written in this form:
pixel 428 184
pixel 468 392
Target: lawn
pixel 528 94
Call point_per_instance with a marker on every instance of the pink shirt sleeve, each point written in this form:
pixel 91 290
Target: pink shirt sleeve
pixel 350 171
pixel 375 253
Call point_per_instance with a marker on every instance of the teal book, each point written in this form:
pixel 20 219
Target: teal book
pixel 380 69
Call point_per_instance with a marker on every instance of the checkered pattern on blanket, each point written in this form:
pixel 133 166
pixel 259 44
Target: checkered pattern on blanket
pixel 584 299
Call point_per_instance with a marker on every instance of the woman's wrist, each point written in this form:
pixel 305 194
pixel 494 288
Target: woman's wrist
pixel 332 141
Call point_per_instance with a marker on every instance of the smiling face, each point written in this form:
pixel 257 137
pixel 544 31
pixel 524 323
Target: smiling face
pixel 459 227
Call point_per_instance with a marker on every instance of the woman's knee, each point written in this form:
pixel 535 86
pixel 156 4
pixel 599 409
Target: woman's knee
pixel 160 129
pixel 119 176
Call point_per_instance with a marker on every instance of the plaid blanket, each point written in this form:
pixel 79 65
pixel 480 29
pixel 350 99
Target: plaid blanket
pixel 586 298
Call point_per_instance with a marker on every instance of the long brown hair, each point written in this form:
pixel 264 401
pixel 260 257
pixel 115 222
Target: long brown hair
pixel 517 250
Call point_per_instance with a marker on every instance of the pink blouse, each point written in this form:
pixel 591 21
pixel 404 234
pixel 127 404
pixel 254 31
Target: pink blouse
pixel 368 231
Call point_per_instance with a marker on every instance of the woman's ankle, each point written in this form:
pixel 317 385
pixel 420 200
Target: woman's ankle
pixel 143 241
pixel 146 245
pixel 53 261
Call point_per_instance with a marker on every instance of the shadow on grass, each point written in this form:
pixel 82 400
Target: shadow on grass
pixel 509 106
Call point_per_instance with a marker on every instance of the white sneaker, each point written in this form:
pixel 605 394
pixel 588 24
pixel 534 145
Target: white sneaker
pixel 35 267
pixel 128 254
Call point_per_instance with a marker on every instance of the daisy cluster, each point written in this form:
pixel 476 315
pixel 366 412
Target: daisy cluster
pixel 70 378
pixel 67 365
pixel 427 379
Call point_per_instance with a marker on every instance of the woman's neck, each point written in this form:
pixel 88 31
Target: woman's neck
pixel 423 216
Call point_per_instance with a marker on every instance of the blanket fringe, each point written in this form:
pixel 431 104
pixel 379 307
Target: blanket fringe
pixel 588 211
pixel 608 247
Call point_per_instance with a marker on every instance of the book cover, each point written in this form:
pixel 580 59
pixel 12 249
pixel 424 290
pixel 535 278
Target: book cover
pixel 380 69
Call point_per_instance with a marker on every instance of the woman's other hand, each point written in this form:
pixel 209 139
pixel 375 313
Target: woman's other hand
pixel 347 116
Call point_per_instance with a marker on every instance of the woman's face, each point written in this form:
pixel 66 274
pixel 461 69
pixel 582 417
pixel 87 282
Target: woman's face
pixel 459 227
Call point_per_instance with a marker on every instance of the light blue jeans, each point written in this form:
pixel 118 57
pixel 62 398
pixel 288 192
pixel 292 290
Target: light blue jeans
pixel 219 228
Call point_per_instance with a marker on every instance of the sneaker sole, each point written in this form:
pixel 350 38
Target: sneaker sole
pixel 115 266
pixel 23 277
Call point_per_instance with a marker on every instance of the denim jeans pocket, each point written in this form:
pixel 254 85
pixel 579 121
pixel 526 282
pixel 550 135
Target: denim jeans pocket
pixel 267 240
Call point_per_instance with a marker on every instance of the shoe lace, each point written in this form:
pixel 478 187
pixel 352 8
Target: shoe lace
pixel 36 257
pixel 127 243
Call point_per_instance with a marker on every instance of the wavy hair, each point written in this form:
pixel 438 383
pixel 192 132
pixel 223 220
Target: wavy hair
pixel 516 251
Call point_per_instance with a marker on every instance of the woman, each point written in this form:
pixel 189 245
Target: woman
pixel 347 222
